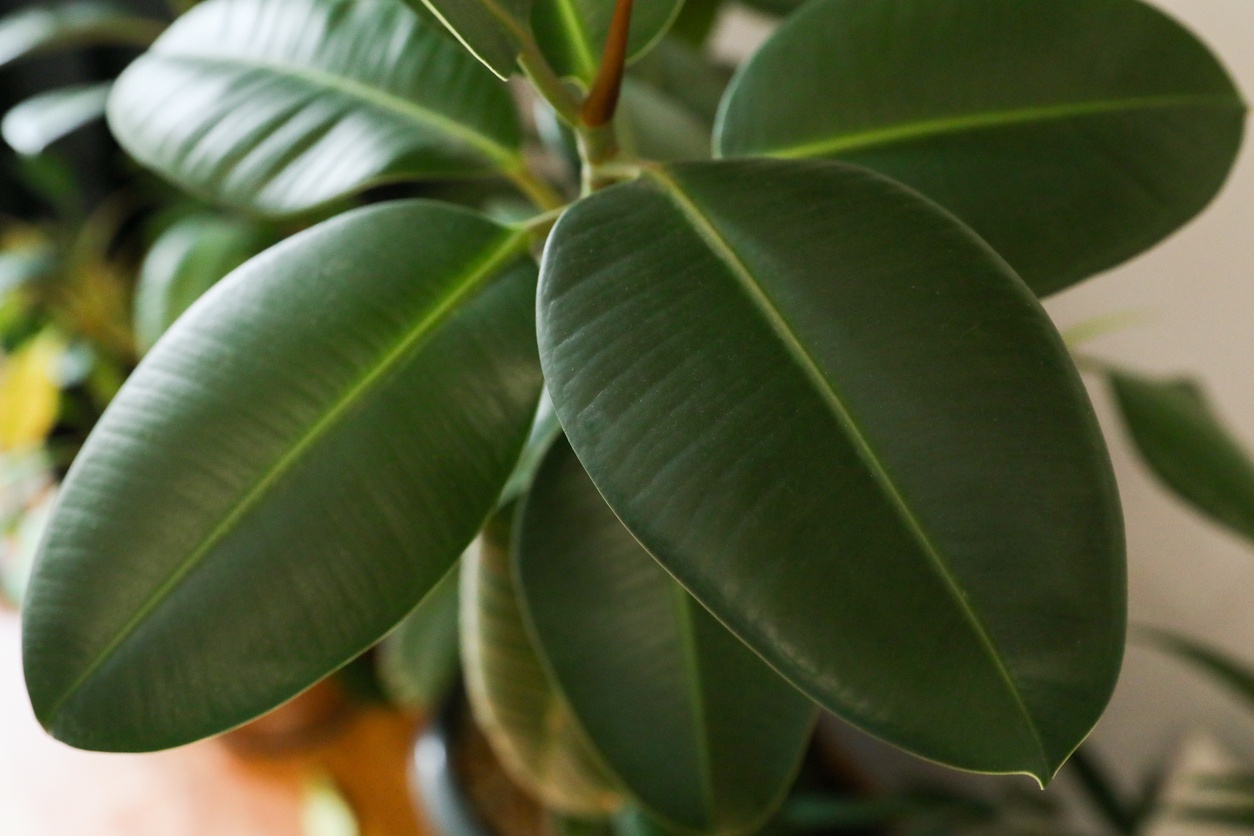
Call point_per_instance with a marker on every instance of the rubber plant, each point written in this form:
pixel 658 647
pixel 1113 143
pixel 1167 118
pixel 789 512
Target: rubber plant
pixel 814 443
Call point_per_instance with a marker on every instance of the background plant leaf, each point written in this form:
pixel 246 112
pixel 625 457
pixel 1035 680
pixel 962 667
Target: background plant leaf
pixel 417 662
pixel 41 28
pixel 282 105
pixel 1070 136
pixel 187 259
pixel 829 410
pixel 692 722
pixel 286 474
pixel 35 123
pixel 529 725
pixel 1176 431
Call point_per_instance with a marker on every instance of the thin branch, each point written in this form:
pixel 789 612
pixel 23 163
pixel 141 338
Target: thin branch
pixel 598 108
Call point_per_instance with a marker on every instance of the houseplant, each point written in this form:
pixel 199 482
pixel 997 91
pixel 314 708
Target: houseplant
pixel 854 463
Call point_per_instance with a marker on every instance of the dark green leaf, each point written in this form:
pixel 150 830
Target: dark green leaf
pixel 286 474
pixel 531 728
pixel 1236 676
pixel 779 8
pixel 1071 136
pixel 695 21
pixel 37 122
pixel 189 257
pixel 282 105
pixel 42 28
pixel 493 30
pixel 1178 435
pixel 694 724
pixel 417 662
pixel 544 429
pixel 843 424
pixel 572 33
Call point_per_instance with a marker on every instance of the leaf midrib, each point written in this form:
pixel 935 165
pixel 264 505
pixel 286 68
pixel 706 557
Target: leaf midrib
pixel 501 155
pixel 906 131
pixel 723 251
pixel 508 246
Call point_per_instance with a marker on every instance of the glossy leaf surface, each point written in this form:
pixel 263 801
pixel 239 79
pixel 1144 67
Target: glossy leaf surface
pixel 491 29
pixel 270 492
pixel 32 125
pixel 282 105
pixel 417 662
pixel 846 427
pixel 187 259
pixel 572 33
pixel 694 724
pixel 1071 136
pixel 529 725
pixel 1177 433
pixel 39 29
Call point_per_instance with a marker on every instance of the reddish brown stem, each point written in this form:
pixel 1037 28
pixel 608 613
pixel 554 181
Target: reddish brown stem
pixel 598 108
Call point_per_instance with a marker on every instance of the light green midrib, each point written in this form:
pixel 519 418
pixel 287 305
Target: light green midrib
pixel 501 155
pixel 990 119
pixel 723 251
pixel 484 269
pixel 578 37
pixel 696 697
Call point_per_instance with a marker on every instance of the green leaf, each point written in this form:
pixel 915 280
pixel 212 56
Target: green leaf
pixel 693 723
pixel 493 30
pixel 1178 435
pixel 653 126
pixel 529 725
pixel 695 21
pixel 283 105
pixel 1236 676
pixel 39 29
pixel 417 662
pixel 286 474
pixel 544 429
pixel 1070 136
pixel 188 258
pixel 572 33
pixel 842 423
pixel 32 125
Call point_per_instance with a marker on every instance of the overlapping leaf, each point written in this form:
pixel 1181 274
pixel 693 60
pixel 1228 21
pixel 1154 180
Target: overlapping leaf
pixel 281 105
pixel 847 428
pixel 694 724
pixel 493 30
pixel 531 728
pixel 285 475
pixel 1071 136
pixel 1178 435
pixel 186 260
pixel 41 28
pixel 34 124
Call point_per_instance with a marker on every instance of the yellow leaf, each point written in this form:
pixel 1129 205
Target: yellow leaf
pixel 29 396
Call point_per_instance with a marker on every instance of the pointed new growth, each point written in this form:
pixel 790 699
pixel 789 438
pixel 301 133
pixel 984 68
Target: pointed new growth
pixel 598 108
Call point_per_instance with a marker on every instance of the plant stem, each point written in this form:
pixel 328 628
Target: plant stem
pixel 537 68
pixel 598 108
pixel 537 191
